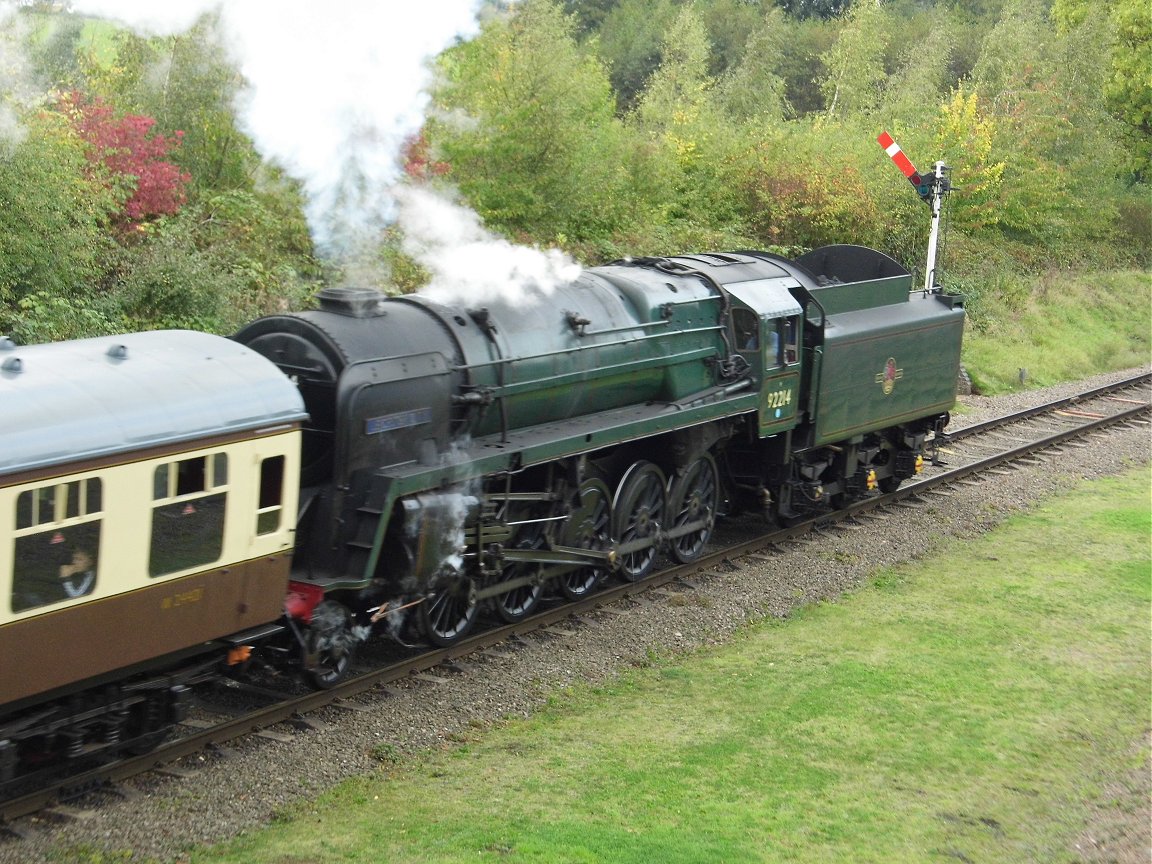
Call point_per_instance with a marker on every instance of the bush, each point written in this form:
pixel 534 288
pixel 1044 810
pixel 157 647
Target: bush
pixel 53 222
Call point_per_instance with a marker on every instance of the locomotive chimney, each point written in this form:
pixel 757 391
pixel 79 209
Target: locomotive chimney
pixel 353 302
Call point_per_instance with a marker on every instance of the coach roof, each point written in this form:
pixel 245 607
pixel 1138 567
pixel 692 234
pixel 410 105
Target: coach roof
pixel 66 401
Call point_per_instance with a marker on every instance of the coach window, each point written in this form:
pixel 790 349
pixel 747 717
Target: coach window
pixel 271 495
pixel 189 496
pixel 57 543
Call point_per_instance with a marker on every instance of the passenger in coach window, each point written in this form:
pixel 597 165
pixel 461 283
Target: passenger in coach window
pixel 79 576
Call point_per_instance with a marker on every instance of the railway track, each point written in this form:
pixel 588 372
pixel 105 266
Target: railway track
pixel 973 454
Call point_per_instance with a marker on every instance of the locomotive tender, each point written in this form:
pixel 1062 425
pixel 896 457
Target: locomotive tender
pixel 441 460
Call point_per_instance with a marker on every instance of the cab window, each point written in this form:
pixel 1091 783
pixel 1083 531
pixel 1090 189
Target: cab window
pixel 772 348
pixel 747 326
pixel 780 348
pixel 789 340
pixel 57 543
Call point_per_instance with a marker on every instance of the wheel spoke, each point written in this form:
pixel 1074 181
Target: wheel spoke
pixel 638 514
pixel 588 528
pixel 519 602
pixel 448 613
pixel 694 497
pixel 330 644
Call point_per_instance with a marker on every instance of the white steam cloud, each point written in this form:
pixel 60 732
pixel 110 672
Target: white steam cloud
pixel 15 90
pixel 333 91
pixel 469 262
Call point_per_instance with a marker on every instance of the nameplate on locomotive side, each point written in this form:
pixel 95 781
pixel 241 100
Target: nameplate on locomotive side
pixel 392 422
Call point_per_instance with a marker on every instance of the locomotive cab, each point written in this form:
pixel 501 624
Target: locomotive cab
pixel 766 324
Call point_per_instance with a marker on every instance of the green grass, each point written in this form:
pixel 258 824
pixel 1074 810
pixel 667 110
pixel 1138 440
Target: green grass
pixel 1064 327
pixel 971 707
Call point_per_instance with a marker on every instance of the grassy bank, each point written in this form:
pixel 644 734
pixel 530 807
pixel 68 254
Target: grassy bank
pixel 974 707
pixel 1060 327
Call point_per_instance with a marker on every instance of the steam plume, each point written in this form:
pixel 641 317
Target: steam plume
pixel 466 261
pixel 15 91
pixel 333 91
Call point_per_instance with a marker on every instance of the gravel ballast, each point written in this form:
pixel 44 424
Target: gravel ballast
pixel 260 777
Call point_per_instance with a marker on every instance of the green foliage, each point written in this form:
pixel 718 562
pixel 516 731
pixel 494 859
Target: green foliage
pixel 759 154
pixel 754 89
pixel 923 73
pixel 855 65
pixel 56 50
pixel 1127 89
pixel 814 8
pixel 540 153
pixel 1053 132
pixel 213 267
pixel 169 283
pixel 198 92
pixel 188 84
pixel 405 274
pixel 801 62
pixel 43 317
pixel 589 15
pixel 615 127
pixel 239 248
pixel 966 138
pixel 679 117
pixel 730 23
pixel 630 40
pixel 53 220
pixel 1126 78
pixel 796 195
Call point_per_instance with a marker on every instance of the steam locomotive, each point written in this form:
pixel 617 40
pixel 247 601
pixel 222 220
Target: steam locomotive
pixel 172 501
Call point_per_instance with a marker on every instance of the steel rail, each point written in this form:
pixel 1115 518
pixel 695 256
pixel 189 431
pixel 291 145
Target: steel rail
pixel 1048 407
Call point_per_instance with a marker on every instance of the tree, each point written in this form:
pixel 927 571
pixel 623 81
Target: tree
pixel 855 62
pixel 922 77
pixel 755 88
pixel 198 93
pixel 130 157
pixel 801 62
pixel 1129 70
pixel 676 94
pixel 814 8
pixel 678 113
pixel 589 15
pixel 540 153
pixel 798 191
pixel 53 239
pixel 966 138
pixel 630 40
pixel 1128 90
pixel 730 23
pixel 56 55
pixel 1062 147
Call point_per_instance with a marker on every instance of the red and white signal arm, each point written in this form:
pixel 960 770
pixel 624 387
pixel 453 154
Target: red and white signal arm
pixel 902 162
